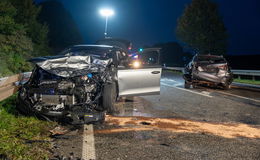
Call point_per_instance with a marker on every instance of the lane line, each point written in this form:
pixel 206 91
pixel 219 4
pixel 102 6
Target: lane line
pixel 167 79
pixel 202 94
pixel 88 145
pixel 205 92
pixel 251 99
pixel 176 83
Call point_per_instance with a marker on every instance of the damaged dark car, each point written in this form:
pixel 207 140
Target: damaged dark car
pixel 83 83
pixel 210 70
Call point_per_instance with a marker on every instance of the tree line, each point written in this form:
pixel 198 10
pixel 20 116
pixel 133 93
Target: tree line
pixel 29 30
pixel 200 30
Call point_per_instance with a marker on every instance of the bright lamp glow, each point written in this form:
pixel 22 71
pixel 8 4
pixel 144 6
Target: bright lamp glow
pixel 136 64
pixel 106 12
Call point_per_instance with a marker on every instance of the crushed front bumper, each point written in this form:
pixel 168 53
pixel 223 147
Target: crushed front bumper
pixel 75 115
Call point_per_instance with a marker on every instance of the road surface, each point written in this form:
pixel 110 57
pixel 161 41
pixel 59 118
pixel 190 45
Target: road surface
pixel 201 123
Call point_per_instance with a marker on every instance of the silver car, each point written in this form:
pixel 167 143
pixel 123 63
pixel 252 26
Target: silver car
pixel 83 83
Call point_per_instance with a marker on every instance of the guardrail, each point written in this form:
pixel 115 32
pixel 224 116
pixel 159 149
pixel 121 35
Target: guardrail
pixel 9 85
pixel 174 68
pixel 237 72
pixel 252 73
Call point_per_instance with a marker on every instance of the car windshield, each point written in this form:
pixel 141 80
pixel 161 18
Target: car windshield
pixel 103 52
pixel 211 59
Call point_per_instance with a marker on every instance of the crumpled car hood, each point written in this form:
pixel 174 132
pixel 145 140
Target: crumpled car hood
pixel 71 66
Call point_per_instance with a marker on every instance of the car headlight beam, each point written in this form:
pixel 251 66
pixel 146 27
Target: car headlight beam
pixel 136 64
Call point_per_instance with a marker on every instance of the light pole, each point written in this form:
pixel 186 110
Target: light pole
pixel 106 13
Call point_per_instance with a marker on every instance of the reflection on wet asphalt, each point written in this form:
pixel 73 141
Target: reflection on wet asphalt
pixel 179 124
pixel 182 125
pixel 236 89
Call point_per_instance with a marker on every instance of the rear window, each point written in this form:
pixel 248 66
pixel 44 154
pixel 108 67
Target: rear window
pixel 211 59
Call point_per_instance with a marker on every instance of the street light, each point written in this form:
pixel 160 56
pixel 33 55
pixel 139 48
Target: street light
pixel 106 13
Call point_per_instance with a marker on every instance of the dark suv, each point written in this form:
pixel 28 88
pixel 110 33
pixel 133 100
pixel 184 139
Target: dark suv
pixel 208 69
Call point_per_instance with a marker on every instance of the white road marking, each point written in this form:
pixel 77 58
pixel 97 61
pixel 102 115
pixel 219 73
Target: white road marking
pixel 175 83
pixel 205 92
pixel 167 79
pixel 88 147
pixel 202 94
pixel 251 99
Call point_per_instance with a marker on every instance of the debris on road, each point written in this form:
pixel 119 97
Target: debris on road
pixel 145 123
pixel 227 130
pixel 58 131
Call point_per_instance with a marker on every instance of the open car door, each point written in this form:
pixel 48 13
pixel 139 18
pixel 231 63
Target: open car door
pixel 145 78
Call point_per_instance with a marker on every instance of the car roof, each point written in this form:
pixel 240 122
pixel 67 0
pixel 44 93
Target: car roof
pixel 116 42
pixel 208 55
pixel 93 45
pixel 151 49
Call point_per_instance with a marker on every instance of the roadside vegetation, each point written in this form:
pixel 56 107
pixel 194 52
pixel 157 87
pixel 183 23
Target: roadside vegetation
pixel 21 35
pixel 31 30
pixel 247 81
pixel 22 137
pixel 175 72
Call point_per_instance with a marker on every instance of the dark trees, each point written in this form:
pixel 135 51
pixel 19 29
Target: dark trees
pixel 202 29
pixel 63 31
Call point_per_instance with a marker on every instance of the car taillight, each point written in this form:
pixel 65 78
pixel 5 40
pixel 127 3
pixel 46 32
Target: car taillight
pixel 223 67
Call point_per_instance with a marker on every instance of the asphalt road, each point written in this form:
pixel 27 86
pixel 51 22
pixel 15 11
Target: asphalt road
pixel 202 123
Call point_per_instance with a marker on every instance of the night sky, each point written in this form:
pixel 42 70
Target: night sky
pixel 146 22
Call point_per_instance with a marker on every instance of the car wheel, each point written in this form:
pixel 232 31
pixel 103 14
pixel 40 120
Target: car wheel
pixel 101 119
pixel 187 84
pixel 109 98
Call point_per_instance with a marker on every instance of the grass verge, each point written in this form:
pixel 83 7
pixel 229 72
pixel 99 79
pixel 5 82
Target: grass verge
pixel 22 137
pixel 175 72
pixel 247 81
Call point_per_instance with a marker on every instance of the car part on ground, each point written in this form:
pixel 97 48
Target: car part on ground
pixel 211 70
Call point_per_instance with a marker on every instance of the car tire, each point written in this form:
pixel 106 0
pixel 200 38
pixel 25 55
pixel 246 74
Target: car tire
pixel 101 119
pixel 109 98
pixel 187 85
